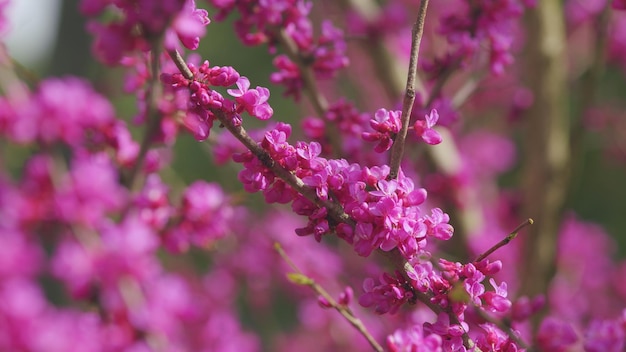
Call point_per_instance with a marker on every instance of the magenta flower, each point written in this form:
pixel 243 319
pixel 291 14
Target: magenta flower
pixel 606 336
pixel 287 75
pixel 385 124
pixel 424 128
pixel 555 335
pixel 414 339
pixel 222 76
pixel 386 296
pixel 189 26
pixel 438 225
pixel 619 4
pixel 254 101
pixel 496 300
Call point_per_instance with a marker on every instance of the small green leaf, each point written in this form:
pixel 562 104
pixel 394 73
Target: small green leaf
pixel 299 279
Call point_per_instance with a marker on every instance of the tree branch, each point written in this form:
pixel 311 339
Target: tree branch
pixel 397 150
pixel 312 90
pixel 342 309
pixel 546 143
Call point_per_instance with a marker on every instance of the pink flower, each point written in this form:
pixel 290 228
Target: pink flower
pixel 414 339
pixel 254 101
pixel 189 25
pixel 555 335
pixel 385 124
pixel 424 128
pixel 619 4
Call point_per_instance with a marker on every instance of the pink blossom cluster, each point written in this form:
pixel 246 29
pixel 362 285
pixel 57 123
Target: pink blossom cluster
pixel 137 22
pixel 69 220
pixel 204 101
pixel 350 124
pixel 385 214
pixel 273 22
pixel 471 25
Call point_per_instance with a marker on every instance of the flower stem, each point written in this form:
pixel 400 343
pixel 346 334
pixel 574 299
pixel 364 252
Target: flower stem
pixel 397 150
pixel 505 241
pixel 342 309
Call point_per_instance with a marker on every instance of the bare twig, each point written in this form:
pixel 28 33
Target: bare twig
pixel 388 72
pixel 546 143
pixel 180 63
pixel 342 309
pixel 505 241
pixel 397 150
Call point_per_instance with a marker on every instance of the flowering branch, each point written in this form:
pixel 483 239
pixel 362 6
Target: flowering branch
pixel 315 95
pixel 317 98
pixel 301 279
pixel 180 63
pixel 397 150
pixel 335 210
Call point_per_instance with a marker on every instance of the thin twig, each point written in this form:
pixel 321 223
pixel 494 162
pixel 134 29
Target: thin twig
pixel 442 79
pixel 342 309
pixel 180 63
pixel 397 150
pixel 334 209
pixel 505 241
pixel 386 69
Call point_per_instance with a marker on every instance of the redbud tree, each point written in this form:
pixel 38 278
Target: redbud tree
pixel 406 177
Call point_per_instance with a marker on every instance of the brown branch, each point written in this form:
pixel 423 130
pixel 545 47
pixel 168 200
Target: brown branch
pixel 180 63
pixel 546 143
pixel 445 156
pixel 342 309
pixel 397 150
pixel 319 101
pixel 335 210
pixel 505 241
